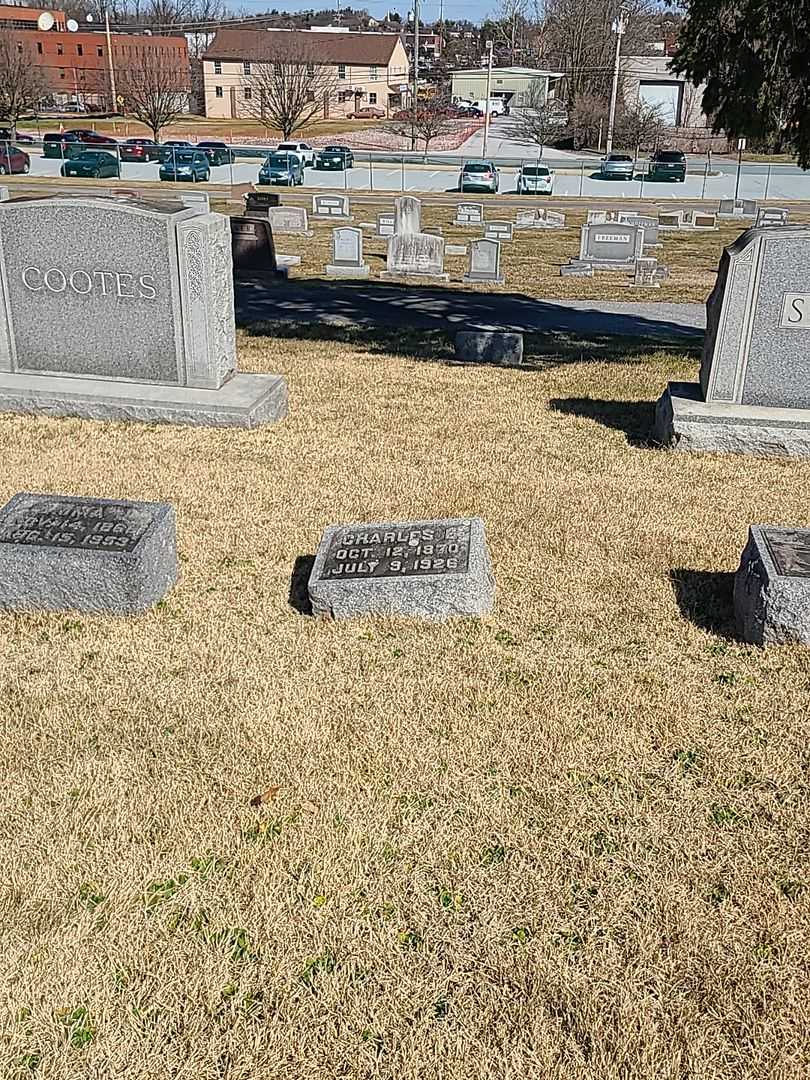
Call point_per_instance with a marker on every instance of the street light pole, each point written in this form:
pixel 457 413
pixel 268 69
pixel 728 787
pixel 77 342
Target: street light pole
pixel 490 47
pixel 415 72
pixel 110 65
pixel 619 27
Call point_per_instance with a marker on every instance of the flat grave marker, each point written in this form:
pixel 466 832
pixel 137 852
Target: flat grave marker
pixel 772 586
pixel 104 555
pixel 433 569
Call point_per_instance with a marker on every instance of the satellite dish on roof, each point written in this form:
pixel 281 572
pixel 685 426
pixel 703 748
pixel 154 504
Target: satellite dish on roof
pixel 45 21
pixel 72 25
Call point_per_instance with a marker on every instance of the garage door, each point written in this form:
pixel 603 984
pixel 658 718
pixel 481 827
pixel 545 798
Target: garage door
pixel 666 95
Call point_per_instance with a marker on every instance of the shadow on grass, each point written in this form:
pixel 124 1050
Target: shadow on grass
pixel 706 599
pixel 299 593
pixel 634 418
pixel 540 350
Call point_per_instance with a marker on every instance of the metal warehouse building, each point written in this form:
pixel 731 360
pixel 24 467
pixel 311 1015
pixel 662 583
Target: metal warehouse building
pixel 512 83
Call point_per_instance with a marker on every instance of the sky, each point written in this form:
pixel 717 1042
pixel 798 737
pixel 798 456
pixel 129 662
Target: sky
pixel 474 10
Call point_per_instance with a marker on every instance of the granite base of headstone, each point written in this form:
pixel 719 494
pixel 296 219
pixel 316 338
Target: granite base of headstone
pixel 151 286
pixel 754 389
pixel 577 268
pixel 97 555
pixel 489 347
pixel 424 569
pixel 772 587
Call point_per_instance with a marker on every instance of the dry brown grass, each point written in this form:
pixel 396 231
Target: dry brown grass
pixel 531 263
pixel 566 841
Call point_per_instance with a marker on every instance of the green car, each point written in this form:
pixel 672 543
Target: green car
pixel 95 163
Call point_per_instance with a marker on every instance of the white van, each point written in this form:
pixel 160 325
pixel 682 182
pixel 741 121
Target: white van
pixel 495 106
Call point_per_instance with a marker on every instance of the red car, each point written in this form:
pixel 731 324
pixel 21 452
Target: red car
pixel 368 112
pixel 13 160
pixel 139 150
pixel 92 138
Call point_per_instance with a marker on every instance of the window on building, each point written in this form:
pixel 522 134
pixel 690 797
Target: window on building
pixel 60 49
pixel 217 67
pixel 61 73
pixel 341 71
pixel 246 67
pixel 39 47
pixel 99 50
pixel 372 99
pixel 80 50
pixel 218 91
pixel 372 72
pixel 248 93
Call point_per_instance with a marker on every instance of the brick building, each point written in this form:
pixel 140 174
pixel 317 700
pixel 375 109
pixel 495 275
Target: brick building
pixel 369 69
pixel 76 65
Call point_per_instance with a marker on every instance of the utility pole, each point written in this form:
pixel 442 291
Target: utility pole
pixel 110 65
pixel 619 27
pixel 415 102
pixel 490 47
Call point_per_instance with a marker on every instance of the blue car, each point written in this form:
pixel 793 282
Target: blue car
pixel 282 169
pixel 188 165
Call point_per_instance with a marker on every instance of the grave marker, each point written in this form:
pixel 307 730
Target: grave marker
pixel 772 587
pixel 485 262
pixel 407 216
pixel 347 254
pixel 416 254
pixel 288 221
pixel 469 214
pixel 498 230
pixel 428 569
pixel 704 221
pixel 610 244
pixel 252 246
pixel 331 206
pixel 386 224
pixel 257 203
pixel 772 216
pixel 151 286
pixel 101 555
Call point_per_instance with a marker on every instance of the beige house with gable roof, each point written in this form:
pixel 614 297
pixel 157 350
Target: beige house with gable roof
pixel 371 69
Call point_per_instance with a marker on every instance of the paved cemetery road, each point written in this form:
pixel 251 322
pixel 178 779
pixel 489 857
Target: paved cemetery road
pixel 368 303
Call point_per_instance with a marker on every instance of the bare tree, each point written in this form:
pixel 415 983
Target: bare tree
pixel 639 126
pixel 512 28
pixel 155 90
pixel 287 93
pixel 430 121
pixel 22 83
pixel 538 121
pixel 588 116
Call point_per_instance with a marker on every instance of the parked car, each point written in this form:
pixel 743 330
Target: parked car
pixel 95 163
pixel 617 167
pixel 470 110
pixel 171 146
pixel 305 152
pixel 8 135
pixel 667 165
pixel 13 160
pixel 73 107
pixel 60 145
pixel 140 150
pixel 535 180
pixel 92 138
pixel 218 153
pixel 478 176
pixel 189 165
pixel 368 112
pixel 282 168
pixel 334 157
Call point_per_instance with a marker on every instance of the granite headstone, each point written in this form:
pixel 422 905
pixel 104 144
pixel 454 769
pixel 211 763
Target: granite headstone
pixel 347 254
pixel 331 206
pixel 252 246
pixel 407 216
pixel 772 587
pixel 288 221
pixel 485 262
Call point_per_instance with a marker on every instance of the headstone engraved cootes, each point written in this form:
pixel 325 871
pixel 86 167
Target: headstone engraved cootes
pixel 754 389
pixel 150 284
pixel 433 569
pixel 106 555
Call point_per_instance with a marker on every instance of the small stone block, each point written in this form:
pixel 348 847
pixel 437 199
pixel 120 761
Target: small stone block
pixel 489 347
pixel 772 587
pixel 348 271
pixel 427 569
pixel 576 269
pixel 102 555
pixel 455 249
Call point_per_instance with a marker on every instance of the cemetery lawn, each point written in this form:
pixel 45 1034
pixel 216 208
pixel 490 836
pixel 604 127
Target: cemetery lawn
pixel 531 262
pixel 568 840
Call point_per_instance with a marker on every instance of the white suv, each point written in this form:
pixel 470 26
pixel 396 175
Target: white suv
pixel 302 149
pixel 535 180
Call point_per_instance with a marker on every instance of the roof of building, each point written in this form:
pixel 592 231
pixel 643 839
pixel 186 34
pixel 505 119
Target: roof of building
pixel 325 47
